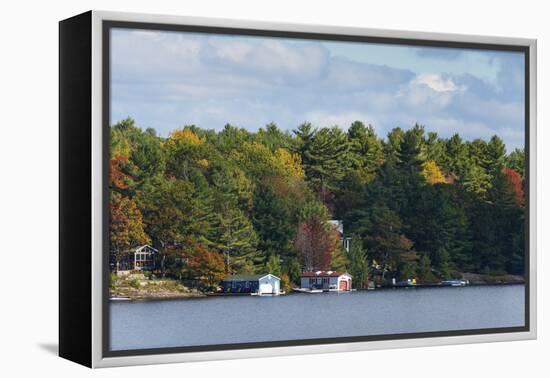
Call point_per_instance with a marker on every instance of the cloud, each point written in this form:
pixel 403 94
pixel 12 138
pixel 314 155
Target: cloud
pixel 269 58
pixel 430 90
pixel 167 79
pixel 439 53
pixel 436 82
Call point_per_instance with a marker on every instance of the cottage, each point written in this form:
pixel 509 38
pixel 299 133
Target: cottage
pixel 338 225
pixel 326 280
pixel 261 284
pixel 143 258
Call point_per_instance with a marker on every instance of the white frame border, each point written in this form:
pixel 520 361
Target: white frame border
pixel 97 189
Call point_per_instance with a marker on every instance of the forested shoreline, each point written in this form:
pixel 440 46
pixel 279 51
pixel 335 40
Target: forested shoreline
pixel 414 204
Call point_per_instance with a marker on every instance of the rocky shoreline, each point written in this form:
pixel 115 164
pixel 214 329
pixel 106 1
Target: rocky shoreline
pixel 140 287
pixel 487 279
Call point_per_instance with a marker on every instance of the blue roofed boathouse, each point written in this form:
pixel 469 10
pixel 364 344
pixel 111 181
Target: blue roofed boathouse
pixel 261 284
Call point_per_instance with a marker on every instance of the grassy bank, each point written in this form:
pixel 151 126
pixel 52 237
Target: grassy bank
pixel 140 286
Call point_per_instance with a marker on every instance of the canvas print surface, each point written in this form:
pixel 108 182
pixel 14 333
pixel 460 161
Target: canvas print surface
pixel 266 189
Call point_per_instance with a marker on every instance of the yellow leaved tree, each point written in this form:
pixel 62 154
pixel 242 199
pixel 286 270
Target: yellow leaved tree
pixel 432 173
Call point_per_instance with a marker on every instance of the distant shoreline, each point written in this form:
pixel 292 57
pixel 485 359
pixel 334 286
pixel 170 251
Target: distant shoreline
pixel 199 295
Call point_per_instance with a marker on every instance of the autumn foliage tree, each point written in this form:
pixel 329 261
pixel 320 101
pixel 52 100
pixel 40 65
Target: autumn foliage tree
pixel 237 201
pixel 516 185
pixel 204 266
pixel 126 228
pixel 432 173
pixel 125 225
pixel 316 239
pixel 118 178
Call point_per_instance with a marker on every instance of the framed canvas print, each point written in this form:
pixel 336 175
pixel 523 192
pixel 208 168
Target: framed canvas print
pixel 232 189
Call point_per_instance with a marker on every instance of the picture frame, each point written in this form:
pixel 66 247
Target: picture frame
pixel 85 70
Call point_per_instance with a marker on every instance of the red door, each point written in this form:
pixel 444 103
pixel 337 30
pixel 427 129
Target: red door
pixel 344 285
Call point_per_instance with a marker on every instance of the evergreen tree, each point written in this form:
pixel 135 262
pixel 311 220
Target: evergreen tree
pixel 358 263
pixel 339 260
pixel 455 162
pixel 236 201
pixel 366 149
pixel 435 149
pixel 496 155
pixel 516 161
pixel 424 268
pixel 237 240
pixel 273 222
pixel 273 265
pixel 325 157
pixel 381 230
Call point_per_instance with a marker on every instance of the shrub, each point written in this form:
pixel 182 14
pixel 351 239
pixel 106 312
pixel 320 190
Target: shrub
pixel 113 280
pixel 134 283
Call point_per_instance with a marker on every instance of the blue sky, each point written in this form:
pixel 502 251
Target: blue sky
pixel 166 80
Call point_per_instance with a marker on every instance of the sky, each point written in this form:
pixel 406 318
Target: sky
pixel 166 80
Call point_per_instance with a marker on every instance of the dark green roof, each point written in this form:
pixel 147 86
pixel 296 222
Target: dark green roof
pixel 246 277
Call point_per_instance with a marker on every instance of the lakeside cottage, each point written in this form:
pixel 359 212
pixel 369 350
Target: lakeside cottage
pixel 142 258
pixel 261 284
pixel 339 226
pixel 325 280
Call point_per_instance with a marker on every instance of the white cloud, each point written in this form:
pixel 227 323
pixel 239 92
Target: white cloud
pixel 166 79
pixel 272 60
pixel 236 52
pixel 436 83
pixel 431 90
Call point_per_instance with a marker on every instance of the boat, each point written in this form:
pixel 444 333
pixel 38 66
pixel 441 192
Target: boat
pixel 120 299
pixel 308 291
pixel 257 294
pixel 455 283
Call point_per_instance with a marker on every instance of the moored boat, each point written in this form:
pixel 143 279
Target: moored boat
pixel 454 283
pixel 307 291
pixel 120 299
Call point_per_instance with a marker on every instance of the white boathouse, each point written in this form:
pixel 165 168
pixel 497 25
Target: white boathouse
pixel 326 280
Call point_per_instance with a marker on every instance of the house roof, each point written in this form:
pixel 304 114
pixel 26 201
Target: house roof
pixel 141 248
pixel 337 224
pixel 322 273
pixel 248 277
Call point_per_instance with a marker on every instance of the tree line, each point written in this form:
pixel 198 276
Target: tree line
pixel 234 201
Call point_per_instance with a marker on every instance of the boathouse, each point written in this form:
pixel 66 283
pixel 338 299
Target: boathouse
pixel 262 284
pixel 326 280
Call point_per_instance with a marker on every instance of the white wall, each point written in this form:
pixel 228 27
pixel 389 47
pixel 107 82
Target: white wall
pixel 28 161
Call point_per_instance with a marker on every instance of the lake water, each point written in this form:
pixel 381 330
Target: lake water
pixel 225 320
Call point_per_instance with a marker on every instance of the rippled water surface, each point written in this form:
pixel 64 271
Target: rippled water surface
pixel 226 320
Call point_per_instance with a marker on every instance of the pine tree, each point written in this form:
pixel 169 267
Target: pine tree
pixel 516 161
pixel 237 240
pixel 273 222
pixel 456 157
pixel 496 155
pixel 339 260
pixel 358 263
pixel 273 265
pixel 325 157
pixel 366 148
